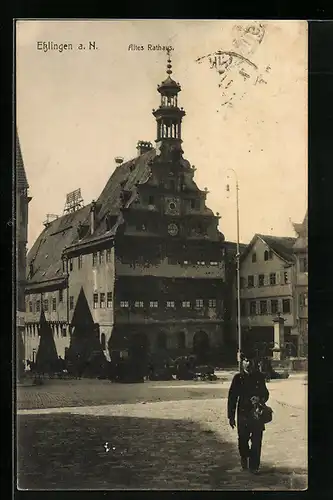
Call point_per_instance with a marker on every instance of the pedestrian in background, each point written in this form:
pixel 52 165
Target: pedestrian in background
pixel 247 394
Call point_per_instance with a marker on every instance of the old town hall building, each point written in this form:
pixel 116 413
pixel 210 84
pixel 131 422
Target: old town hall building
pixel 145 260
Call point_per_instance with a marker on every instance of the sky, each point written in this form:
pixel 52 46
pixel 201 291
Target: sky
pixel 246 110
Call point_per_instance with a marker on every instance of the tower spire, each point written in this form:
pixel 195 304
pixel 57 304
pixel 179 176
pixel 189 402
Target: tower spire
pixel 169 65
pixel 169 116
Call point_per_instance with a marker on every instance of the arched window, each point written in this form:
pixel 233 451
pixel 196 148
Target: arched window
pixel 266 255
pixel 201 345
pixel 103 341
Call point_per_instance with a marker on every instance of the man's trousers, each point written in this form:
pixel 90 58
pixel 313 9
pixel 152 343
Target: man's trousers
pixel 248 432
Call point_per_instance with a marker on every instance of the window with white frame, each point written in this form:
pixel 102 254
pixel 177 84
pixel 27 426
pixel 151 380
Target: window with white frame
pixel 109 299
pixel 153 303
pixel 94 259
pixel 170 304
pixel 199 303
pixel 54 304
pixel 139 303
pixel 272 279
pixel 101 256
pixel 95 301
pixel 303 265
pixel 261 280
pixel 186 304
pixel 124 304
pixel 274 306
pixel 253 308
pixel 263 307
pixel 102 300
pixel 286 277
pixel 212 303
pixel 108 255
pixel 286 306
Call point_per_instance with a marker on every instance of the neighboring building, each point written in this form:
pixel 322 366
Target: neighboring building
pixel 22 202
pixel 147 255
pixel 301 285
pixel 267 277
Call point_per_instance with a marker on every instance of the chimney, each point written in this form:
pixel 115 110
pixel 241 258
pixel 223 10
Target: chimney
pixel 119 160
pixel 92 216
pixel 143 146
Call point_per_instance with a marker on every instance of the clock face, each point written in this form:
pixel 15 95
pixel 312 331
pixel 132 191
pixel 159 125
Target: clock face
pixel 172 206
pixel 172 229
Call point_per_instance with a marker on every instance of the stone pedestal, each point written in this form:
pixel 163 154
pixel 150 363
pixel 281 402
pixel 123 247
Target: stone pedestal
pixel 278 350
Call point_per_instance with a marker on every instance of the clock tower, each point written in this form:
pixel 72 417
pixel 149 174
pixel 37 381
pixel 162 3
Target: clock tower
pixel 169 250
pixel 169 116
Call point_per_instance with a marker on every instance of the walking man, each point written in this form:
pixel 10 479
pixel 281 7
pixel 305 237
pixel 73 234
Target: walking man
pixel 247 392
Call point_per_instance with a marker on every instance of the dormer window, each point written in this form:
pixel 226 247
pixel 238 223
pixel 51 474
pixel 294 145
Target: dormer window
pixel 108 222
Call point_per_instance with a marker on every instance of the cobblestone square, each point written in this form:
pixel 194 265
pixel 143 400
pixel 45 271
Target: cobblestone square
pixel 166 436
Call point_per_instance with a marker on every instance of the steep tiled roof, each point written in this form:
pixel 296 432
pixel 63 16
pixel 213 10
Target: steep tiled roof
pixel 21 178
pixel 281 245
pixel 124 177
pixel 47 249
pixel 62 232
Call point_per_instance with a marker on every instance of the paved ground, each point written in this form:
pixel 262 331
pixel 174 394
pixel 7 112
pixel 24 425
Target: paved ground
pixel 168 435
pixel 60 393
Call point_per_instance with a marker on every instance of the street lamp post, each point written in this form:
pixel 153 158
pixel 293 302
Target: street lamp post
pixel 238 271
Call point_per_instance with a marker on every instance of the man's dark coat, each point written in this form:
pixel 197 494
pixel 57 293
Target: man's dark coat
pixel 243 387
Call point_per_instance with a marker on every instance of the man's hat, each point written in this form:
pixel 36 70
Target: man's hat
pixel 248 354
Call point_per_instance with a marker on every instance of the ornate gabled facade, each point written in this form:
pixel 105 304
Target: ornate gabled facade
pixel 22 202
pixel 301 285
pixel 147 255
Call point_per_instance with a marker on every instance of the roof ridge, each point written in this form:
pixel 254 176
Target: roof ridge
pixel 21 176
